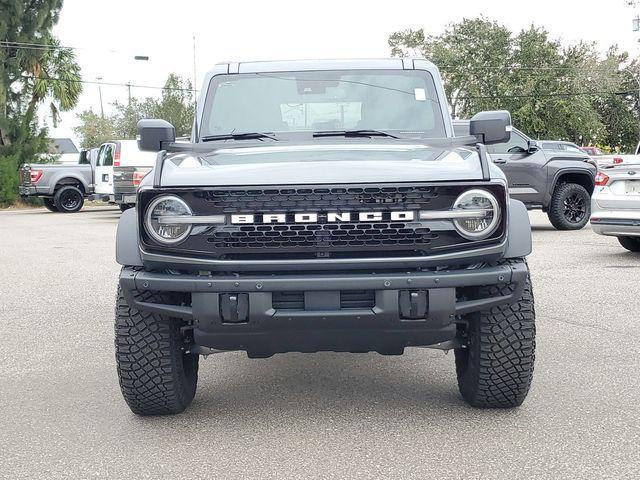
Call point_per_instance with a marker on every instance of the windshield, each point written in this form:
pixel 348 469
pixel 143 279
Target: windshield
pixel 400 101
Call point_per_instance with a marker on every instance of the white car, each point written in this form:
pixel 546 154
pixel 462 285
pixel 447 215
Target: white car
pixel 615 205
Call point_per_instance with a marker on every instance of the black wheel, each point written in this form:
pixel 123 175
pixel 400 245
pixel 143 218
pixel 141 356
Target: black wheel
pixel 125 206
pixel 157 376
pixel 630 243
pixel 68 199
pixel 495 367
pixel 570 207
pixel 49 205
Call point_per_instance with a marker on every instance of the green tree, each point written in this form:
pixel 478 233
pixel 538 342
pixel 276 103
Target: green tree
pixel 93 129
pixel 175 105
pixel 30 74
pixel 552 91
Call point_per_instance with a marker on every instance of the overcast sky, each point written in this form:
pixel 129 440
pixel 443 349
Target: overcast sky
pixel 109 34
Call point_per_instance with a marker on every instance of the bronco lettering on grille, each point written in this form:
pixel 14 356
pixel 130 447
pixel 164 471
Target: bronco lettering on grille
pixel 322 217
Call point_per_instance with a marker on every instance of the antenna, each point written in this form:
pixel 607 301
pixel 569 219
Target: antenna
pixel 195 95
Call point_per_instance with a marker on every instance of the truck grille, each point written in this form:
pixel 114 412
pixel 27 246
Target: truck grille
pixel 322 238
pixel 337 198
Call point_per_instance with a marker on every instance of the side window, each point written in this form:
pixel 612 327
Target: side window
pixel 517 144
pixel 84 157
pixel 572 149
pixel 100 161
pixel 460 130
pixel 108 156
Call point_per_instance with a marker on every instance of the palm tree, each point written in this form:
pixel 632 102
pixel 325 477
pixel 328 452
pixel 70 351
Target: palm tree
pixel 53 75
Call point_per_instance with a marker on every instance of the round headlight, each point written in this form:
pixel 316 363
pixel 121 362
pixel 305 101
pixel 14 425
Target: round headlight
pixel 483 214
pixel 165 219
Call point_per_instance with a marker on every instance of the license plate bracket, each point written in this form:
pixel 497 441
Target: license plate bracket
pixel 632 187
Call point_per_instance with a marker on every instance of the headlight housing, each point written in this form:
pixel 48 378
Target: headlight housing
pixel 167 219
pixel 483 214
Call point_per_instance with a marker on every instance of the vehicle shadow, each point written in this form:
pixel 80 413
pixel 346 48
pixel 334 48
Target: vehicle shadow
pixel 317 386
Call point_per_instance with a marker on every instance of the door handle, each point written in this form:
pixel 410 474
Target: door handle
pixel 499 160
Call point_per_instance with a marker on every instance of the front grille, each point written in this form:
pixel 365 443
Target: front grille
pixel 336 198
pixel 325 236
pixel 385 237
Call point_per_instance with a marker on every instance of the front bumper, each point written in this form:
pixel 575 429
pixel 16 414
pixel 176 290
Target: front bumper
pixel 262 329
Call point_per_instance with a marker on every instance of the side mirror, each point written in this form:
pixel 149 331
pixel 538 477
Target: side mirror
pixel 155 134
pixel 491 127
pixel 532 146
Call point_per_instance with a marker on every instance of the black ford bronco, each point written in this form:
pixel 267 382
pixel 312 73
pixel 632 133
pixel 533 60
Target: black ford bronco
pixel 323 206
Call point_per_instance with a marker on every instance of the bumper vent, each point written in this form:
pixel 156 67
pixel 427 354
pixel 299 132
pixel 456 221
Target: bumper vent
pixel 349 299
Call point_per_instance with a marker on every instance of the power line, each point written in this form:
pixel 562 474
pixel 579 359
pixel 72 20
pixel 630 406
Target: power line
pixel 541 95
pixel 110 84
pixel 35 46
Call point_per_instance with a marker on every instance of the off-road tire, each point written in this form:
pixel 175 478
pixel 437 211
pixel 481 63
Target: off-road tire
pixel 495 368
pixel 64 195
pixel 49 205
pixel 557 208
pixel 156 376
pixel 630 243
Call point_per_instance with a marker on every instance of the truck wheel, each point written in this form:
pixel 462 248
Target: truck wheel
pixel 570 207
pixel 68 199
pixel 156 376
pixel 630 243
pixel 495 368
pixel 49 205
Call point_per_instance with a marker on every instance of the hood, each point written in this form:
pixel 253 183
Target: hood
pixel 321 164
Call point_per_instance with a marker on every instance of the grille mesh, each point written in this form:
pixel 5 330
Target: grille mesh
pixel 304 199
pixel 321 235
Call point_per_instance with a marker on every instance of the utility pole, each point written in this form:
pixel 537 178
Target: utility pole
pixel 636 28
pixel 137 58
pixel 99 79
pixel 194 69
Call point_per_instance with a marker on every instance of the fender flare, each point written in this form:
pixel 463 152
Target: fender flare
pixel 563 171
pixel 65 176
pixel 127 249
pixel 518 231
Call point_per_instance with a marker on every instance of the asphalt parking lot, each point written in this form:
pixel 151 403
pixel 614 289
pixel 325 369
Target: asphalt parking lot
pixel 324 415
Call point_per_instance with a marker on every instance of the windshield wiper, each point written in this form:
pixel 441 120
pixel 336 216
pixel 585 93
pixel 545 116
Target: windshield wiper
pixel 238 136
pixel 353 133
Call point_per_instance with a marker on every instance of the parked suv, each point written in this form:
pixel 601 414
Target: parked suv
pixel 556 179
pixel 323 206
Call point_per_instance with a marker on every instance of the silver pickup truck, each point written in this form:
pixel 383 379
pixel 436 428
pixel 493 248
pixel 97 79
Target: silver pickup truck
pixel 63 188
